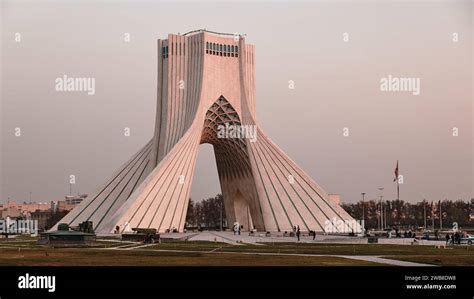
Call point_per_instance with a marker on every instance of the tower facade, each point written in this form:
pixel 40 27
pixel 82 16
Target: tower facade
pixel 206 94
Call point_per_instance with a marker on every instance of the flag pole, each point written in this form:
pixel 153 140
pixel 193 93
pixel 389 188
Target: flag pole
pixel 440 216
pixel 398 190
pixel 398 183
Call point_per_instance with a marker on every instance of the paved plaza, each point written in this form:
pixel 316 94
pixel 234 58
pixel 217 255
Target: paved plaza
pixel 260 237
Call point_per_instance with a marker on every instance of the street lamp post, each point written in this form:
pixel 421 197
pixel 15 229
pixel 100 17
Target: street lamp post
pixel 221 214
pixel 363 210
pixel 440 217
pixel 381 208
pixel 382 220
pixel 424 213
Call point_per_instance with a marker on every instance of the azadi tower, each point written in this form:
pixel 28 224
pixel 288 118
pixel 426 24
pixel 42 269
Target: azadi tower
pixel 206 82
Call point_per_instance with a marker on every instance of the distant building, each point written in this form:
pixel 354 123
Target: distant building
pixel 11 212
pixel 13 209
pixel 69 203
pixel 34 206
pixel 47 214
pixel 75 200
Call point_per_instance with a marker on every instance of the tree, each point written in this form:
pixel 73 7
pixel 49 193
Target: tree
pixel 191 219
pixel 206 213
pixel 409 215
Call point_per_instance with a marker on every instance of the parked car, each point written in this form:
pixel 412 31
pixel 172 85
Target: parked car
pixel 469 239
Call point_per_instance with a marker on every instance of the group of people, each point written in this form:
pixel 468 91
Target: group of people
pixel 406 234
pixel 409 234
pixel 452 239
pixel 296 230
pixel 297 233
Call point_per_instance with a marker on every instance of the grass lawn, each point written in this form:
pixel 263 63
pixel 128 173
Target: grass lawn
pixel 451 256
pixel 94 257
pixel 202 253
pixel 30 242
pixel 318 248
pixel 439 260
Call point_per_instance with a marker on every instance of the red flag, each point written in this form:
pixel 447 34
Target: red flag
pixel 396 172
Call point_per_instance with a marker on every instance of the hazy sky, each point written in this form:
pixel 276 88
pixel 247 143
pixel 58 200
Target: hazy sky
pixel 337 86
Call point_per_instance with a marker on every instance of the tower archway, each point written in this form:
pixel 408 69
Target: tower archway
pixel 220 129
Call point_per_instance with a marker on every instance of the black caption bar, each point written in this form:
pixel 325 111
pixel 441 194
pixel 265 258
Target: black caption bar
pixel 194 282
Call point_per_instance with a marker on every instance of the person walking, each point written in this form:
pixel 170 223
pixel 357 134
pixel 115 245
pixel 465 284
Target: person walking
pixel 236 228
pixel 298 232
pixel 314 235
pixel 447 239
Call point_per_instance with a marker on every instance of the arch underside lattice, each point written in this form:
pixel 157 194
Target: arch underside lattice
pixel 231 153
